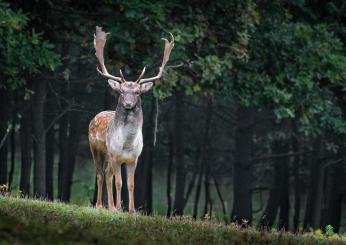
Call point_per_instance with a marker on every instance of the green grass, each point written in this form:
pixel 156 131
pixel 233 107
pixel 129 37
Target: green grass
pixel 84 181
pixel 26 221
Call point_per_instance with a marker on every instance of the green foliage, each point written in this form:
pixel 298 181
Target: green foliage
pixel 280 56
pixel 256 54
pixel 289 64
pixel 205 47
pixel 329 230
pixel 23 51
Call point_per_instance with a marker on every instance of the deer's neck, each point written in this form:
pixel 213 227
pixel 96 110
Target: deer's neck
pixel 126 124
pixel 124 136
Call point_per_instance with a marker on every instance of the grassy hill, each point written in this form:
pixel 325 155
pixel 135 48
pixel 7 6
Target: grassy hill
pixel 39 222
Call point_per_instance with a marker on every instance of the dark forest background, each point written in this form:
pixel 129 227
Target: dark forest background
pixel 250 114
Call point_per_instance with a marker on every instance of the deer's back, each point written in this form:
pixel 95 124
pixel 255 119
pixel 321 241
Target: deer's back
pixel 98 130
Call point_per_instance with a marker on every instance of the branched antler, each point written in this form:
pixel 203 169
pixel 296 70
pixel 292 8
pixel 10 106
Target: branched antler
pixel 168 48
pixel 100 38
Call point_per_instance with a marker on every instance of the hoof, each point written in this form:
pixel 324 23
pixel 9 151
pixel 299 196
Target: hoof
pixel 115 210
pixel 98 206
pixel 111 209
pixel 132 211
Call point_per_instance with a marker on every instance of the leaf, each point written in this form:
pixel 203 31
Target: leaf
pixel 196 88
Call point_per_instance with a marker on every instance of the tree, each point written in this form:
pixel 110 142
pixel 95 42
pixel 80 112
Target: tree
pixel 20 44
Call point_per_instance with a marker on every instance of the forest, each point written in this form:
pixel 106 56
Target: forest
pixel 247 124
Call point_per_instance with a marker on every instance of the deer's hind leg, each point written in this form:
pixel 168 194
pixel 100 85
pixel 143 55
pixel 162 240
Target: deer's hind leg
pixel 99 159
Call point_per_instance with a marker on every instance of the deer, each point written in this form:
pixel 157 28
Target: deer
pixel 115 137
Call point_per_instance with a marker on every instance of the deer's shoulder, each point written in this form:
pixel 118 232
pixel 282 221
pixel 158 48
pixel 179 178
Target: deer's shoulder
pixel 98 125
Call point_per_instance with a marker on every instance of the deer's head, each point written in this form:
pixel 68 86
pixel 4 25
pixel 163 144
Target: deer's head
pixel 129 91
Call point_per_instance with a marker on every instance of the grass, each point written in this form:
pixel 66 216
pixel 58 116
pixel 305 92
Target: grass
pixel 83 190
pixel 26 221
pixel 83 185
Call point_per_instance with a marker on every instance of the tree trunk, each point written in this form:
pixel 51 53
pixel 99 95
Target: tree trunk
pixel 314 185
pixel 150 159
pixel 198 189
pixel 284 194
pixel 169 174
pixel 296 170
pixel 39 139
pixel 221 199
pixel 297 199
pixel 50 149
pixel 26 146
pixel 278 195
pixel 207 201
pixel 73 143
pixel 13 148
pixel 149 182
pixel 242 203
pixel 333 196
pixel 69 165
pixel 193 178
pixel 3 135
pixel 143 174
pixel 203 159
pixel 50 163
pixel 268 217
pixel 63 156
pixel 63 142
pixel 179 153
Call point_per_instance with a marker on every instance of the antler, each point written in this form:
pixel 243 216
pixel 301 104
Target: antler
pixel 100 38
pixel 168 48
pixel 140 76
pixel 122 76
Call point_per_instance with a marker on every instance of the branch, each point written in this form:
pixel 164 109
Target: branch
pixel 334 162
pixel 223 117
pixel 8 130
pixel 190 187
pixel 221 199
pixel 58 95
pixel 80 13
pixel 257 121
pixel 58 117
pixel 176 66
pixel 289 154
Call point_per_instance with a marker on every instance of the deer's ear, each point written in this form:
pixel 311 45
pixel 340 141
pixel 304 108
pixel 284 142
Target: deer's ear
pixel 145 87
pixel 114 85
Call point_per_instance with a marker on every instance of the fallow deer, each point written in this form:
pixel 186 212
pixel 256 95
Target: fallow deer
pixel 115 137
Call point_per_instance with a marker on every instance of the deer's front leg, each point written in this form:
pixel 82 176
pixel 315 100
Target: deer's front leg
pixel 118 184
pixel 130 169
pixel 109 181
